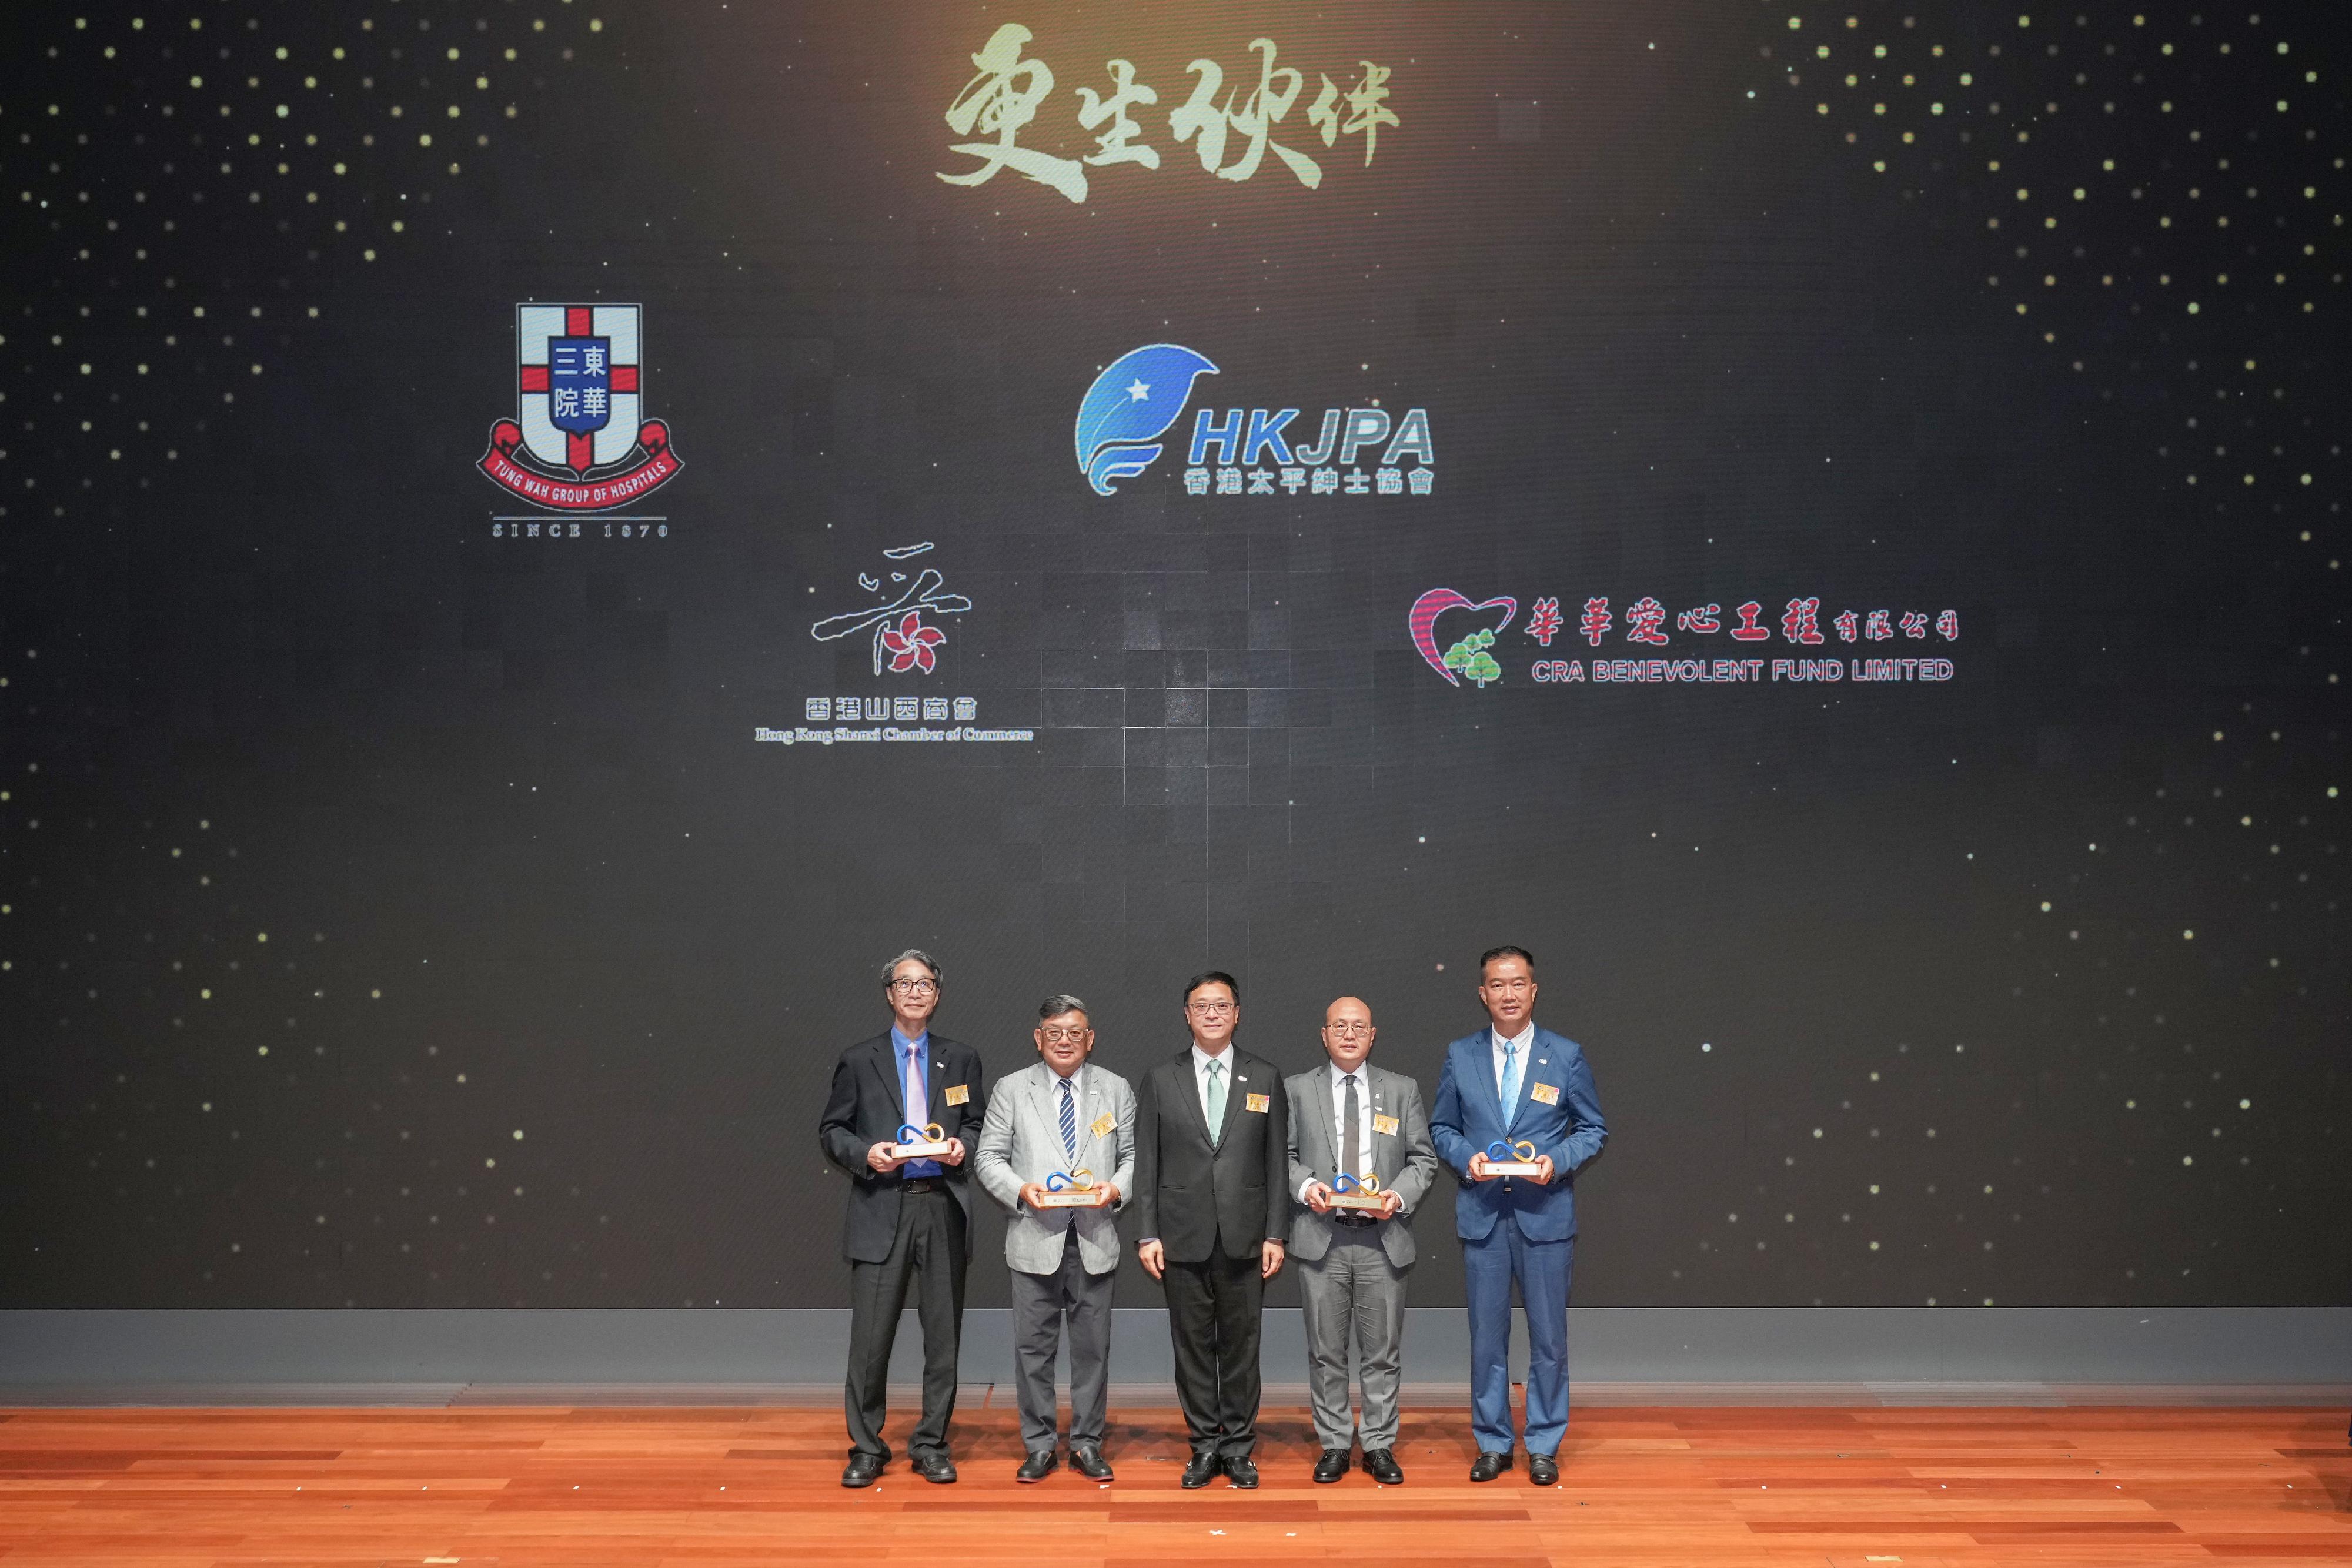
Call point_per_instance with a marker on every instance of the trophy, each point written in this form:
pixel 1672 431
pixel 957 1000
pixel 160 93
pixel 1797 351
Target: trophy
pixel 1358 1192
pixel 923 1143
pixel 1073 1189
pixel 1506 1158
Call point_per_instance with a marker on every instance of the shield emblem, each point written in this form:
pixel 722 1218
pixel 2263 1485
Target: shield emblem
pixel 577 401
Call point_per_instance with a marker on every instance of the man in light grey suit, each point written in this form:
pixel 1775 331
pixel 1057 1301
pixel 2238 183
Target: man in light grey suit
pixel 1062 1116
pixel 1351 1121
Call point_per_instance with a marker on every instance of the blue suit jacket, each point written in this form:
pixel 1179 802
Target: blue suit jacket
pixel 1469 1115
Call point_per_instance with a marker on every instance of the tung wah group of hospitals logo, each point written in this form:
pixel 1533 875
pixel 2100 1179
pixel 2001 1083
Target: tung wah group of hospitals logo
pixel 1141 397
pixel 580 442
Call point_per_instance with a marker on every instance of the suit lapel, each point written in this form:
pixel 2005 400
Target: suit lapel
pixel 1537 1057
pixel 938 1077
pixel 1482 1074
pixel 1188 1084
pixel 1319 1142
pixel 1236 1088
pixel 884 1055
pixel 1385 1164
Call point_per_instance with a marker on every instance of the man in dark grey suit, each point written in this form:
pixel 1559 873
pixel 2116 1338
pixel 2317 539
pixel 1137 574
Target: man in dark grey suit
pixel 1212 1153
pixel 910 1220
pixel 1351 1121
pixel 1062 1116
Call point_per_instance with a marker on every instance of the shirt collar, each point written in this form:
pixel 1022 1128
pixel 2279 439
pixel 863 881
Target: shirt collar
pixel 1339 1073
pixel 1076 1080
pixel 900 1042
pixel 1524 1039
pixel 1200 1058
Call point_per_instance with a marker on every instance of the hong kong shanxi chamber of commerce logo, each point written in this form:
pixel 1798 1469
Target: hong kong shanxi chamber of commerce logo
pixel 579 441
pixel 1138 397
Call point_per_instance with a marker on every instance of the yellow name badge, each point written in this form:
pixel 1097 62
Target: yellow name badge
pixel 1103 1124
pixel 1542 1094
pixel 959 1094
pixel 1385 1124
pixel 1258 1103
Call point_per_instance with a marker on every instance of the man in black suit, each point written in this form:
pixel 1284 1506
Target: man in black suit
pixel 1213 1204
pixel 910 1220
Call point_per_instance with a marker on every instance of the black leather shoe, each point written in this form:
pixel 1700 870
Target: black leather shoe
pixel 863 1470
pixel 1037 1467
pixel 1332 1465
pixel 1204 1468
pixel 1241 1471
pixel 1486 1467
pixel 1381 1464
pixel 1088 1460
pixel 936 1468
pixel 1543 1469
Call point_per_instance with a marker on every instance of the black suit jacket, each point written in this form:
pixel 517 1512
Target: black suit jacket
pixel 866 1107
pixel 1195 1197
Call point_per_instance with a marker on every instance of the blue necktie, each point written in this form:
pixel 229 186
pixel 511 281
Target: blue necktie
pixel 1069 1123
pixel 1511 1081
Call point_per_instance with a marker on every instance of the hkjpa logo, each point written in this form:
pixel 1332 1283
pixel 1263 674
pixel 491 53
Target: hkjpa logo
pixel 1140 395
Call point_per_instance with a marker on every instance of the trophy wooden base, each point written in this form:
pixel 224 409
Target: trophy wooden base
pixel 1075 1198
pixel 1373 1201
pixel 1511 1167
pixel 918 1151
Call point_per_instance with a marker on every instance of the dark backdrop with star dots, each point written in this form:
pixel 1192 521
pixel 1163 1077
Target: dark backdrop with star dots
pixel 395 913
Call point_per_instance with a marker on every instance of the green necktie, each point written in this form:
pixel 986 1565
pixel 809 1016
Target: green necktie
pixel 1216 1103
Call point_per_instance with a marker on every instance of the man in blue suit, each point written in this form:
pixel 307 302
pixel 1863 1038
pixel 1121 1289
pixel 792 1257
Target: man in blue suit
pixel 1516 1093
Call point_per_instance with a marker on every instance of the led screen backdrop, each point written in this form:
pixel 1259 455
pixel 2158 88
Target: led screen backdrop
pixel 543 541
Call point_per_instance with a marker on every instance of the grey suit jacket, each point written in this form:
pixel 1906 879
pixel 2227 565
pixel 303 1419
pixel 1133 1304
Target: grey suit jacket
pixel 1405 1160
pixel 1021 1143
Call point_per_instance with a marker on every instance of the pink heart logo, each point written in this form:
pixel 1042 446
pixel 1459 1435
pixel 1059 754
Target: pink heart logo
pixel 1436 603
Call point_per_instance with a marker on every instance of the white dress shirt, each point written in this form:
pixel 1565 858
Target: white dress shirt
pixel 1338 1079
pixel 1201 1060
pixel 1525 1040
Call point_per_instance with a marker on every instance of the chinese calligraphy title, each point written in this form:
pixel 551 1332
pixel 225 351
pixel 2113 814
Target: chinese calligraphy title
pixel 1008 90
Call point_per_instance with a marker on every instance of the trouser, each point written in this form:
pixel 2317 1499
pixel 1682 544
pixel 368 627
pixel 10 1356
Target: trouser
pixel 928 1251
pixel 1541 1268
pixel 1353 1292
pixel 1041 1304
pixel 1213 1313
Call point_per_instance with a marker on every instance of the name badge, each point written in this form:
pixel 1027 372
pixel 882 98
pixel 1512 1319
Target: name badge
pixel 1541 1093
pixel 1258 1103
pixel 1385 1124
pixel 959 1094
pixel 1102 1125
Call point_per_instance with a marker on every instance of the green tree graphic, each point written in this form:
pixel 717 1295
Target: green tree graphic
pixel 1471 658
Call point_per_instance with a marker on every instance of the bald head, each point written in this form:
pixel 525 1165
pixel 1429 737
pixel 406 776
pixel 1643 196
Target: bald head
pixel 1348 1033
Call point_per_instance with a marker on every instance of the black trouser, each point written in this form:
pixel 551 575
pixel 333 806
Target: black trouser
pixel 1215 1309
pixel 928 1246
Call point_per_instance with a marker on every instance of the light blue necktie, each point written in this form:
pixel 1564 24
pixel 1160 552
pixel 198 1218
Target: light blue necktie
pixel 1216 1104
pixel 1069 1123
pixel 1511 1081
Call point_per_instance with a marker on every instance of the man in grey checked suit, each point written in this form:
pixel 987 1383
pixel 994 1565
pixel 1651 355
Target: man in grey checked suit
pixel 1348 1116
pixel 1064 1115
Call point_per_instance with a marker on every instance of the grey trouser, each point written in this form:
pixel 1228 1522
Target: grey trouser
pixel 1040 1304
pixel 1354 1289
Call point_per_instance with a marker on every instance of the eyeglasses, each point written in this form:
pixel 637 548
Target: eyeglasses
pixel 914 987
pixel 1513 986
pixel 1063 1036
pixel 1210 1009
pixel 1349 1027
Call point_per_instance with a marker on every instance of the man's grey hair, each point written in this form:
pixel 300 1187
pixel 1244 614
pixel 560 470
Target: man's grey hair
pixel 1062 1002
pixel 891 969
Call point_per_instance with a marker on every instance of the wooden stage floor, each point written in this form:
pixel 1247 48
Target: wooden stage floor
pixel 576 1488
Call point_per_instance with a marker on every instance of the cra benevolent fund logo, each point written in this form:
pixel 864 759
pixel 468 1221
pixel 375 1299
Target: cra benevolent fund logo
pixel 580 442
pixel 1138 397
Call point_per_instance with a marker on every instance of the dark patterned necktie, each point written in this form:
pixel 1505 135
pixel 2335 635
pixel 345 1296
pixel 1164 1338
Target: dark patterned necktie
pixel 1352 1128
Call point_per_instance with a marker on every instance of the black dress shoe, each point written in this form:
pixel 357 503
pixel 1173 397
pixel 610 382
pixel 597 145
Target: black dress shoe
pixel 1381 1464
pixel 1241 1471
pixel 936 1468
pixel 1543 1469
pixel 1204 1468
pixel 1486 1467
pixel 863 1470
pixel 1333 1464
pixel 1088 1460
pixel 1037 1467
